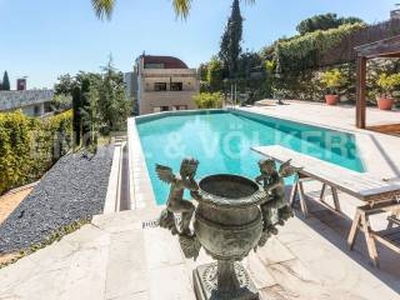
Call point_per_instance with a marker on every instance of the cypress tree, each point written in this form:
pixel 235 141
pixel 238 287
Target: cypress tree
pixel 84 104
pixel 5 86
pixel 77 119
pixel 231 49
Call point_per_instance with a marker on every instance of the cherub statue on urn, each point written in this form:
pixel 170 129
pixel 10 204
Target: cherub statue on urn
pixel 276 210
pixel 175 203
pixel 234 215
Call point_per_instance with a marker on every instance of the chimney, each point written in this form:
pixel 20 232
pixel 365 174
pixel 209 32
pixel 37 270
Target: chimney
pixel 21 84
pixel 395 14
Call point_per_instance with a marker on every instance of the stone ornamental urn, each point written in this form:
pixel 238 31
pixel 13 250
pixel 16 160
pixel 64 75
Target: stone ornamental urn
pixel 234 215
pixel 228 224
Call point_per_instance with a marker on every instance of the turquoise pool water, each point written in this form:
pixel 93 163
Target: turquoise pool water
pixel 221 141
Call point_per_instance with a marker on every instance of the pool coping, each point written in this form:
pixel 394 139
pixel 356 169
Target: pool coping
pixel 141 191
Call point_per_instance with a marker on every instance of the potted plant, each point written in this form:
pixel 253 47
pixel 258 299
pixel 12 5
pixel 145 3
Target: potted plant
pixel 387 84
pixel 332 80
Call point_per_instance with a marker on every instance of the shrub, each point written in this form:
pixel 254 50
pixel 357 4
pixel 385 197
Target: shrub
pixel 332 80
pixel 29 146
pixel 15 149
pixel 388 83
pixel 209 100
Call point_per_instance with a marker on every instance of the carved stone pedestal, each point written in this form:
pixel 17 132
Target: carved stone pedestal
pixel 223 281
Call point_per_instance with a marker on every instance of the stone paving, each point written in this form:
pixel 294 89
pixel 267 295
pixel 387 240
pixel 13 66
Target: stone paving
pixel 116 258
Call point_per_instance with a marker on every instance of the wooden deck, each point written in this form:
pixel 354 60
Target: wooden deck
pixel 392 129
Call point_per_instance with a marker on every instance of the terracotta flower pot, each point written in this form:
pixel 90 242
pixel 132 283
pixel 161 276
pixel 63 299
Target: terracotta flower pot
pixel 385 103
pixel 331 99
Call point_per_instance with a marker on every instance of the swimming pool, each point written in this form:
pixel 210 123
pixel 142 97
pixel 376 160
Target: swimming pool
pixel 221 141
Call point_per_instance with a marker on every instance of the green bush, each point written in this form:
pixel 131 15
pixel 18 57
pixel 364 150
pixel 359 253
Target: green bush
pixel 209 100
pixel 30 146
pixel 388 83
pixel 332 80
pixel 302 52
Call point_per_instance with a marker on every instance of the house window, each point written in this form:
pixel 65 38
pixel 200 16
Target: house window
pixel 179 107
pixel 36 110
pixel 160 108
pixel 176 86
pixel 160 86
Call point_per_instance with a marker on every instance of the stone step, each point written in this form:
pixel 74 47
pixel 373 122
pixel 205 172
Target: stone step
pixel 126 274
pixel 73 268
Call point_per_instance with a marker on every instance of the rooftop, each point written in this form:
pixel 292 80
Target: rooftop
pixel 163 62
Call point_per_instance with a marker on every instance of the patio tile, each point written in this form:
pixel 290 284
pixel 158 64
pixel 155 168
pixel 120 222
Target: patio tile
pixel 127 265
pixel 258 271
pixel 127 220
pixel 88 236
pixel 50 287
pixel 16 274
pixel 296 279
pixel 171 283
pixel 86 275
pixel 274 252
pixel 162 250
pixel 277 292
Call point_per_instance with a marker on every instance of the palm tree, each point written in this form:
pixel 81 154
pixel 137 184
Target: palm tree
pixel 104 8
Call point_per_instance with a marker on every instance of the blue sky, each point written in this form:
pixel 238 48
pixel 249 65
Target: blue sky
pixel 45 38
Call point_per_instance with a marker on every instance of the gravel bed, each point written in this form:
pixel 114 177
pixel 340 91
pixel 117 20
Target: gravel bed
pixel 74 189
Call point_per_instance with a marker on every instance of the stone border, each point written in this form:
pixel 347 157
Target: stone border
pixel 21 188
pixel 112 201
pixel 141 189
pixel 160 115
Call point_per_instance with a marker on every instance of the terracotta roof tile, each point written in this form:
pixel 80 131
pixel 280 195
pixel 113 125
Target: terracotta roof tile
pixel 168 61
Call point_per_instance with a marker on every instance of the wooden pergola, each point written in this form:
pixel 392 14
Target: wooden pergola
pixel 385 48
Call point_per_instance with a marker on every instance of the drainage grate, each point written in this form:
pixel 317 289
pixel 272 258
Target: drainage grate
pixel 150 224
pixel 156 222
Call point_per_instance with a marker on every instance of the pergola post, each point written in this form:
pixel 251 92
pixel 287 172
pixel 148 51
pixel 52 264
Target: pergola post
pixel 361 104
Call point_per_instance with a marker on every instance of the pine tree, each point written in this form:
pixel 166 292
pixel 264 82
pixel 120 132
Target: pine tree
pixel 231 49
pixel 5 86
pixel 113 105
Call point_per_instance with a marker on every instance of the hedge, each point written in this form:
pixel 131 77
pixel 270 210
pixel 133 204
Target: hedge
pixel 303 52
pixel 30 146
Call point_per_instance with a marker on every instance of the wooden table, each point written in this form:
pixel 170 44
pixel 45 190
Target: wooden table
pixel 380 195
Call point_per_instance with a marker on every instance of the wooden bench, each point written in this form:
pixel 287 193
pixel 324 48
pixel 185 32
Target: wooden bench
pixel 380 195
